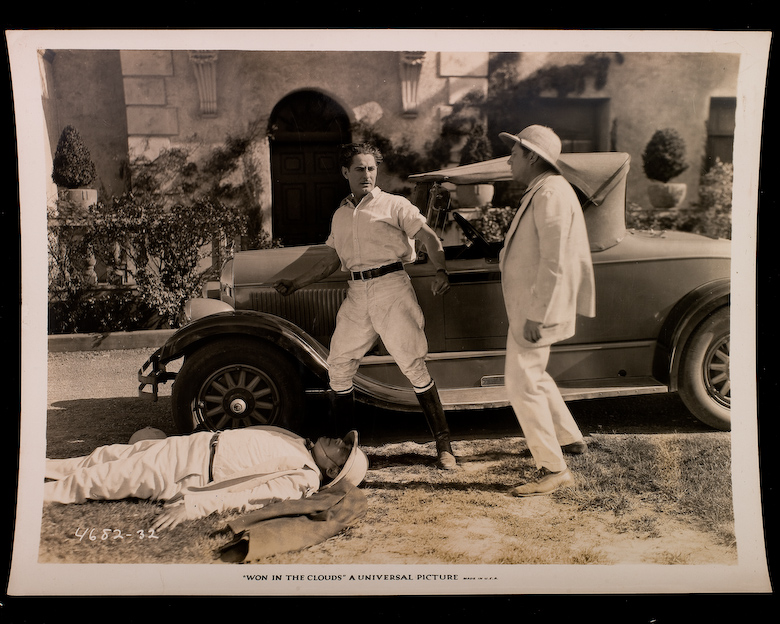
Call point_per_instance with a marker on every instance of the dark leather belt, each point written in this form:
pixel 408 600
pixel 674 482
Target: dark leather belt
pixel 383 270
pixel 212 452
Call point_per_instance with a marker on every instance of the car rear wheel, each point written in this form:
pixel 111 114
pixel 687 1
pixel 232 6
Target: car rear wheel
pixel 705 381
pixel 231 384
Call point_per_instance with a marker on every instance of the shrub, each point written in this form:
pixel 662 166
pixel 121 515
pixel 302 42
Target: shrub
pixel 710 215
pixel 164 247
pixel 664 157
pixel 477 147
pixel 72 165
pixel 641 219
pixel 713 209
pixel 76 303
pixel 89 310
pixel 180 213
pixel 462 121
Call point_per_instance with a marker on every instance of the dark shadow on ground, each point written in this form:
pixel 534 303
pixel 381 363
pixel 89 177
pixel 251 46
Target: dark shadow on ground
pixel 656 413
pixel 75 427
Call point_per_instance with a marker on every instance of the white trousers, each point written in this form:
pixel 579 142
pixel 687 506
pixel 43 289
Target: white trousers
pixel 383 307
pixel 150 469
pixel 542 413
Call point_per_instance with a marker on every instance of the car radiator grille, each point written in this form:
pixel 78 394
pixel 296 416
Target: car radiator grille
pixel 312 309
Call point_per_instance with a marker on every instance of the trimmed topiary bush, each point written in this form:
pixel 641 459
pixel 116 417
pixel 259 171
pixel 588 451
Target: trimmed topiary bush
pixel 664 157
pixel 73 167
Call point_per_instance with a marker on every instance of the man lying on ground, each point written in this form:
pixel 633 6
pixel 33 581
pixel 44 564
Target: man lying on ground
pixel 206 472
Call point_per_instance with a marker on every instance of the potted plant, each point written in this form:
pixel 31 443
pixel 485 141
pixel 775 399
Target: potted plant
pixel 664 158
pixel 476 149
pixel 73 170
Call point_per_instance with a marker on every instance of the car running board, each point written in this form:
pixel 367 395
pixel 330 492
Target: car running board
pixel 495 395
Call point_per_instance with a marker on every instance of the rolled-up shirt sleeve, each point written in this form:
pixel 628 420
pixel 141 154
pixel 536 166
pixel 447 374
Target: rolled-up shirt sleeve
pixel 410 219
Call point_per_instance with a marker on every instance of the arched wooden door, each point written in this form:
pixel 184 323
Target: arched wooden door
pixel 307 128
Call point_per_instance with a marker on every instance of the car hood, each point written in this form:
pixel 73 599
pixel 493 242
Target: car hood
pixel 262 267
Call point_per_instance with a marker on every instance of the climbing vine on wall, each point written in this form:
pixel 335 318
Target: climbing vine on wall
pixel 508 92
pixel 226 174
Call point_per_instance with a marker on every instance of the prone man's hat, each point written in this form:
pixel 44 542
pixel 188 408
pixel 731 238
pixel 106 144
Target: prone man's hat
pixel 540 140
pixel 147 433
pixel 354 469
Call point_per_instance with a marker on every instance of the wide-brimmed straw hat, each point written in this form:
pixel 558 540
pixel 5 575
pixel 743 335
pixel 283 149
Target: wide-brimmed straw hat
pixel 354 469
pixel 539 139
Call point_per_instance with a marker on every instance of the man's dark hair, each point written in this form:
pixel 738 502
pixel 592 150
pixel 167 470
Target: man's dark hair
pixel 349 151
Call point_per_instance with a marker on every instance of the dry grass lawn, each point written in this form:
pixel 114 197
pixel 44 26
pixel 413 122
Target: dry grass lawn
pixel 659 499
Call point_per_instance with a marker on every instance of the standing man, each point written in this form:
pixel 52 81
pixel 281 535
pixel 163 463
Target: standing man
pixel 547 279
pixel 371 237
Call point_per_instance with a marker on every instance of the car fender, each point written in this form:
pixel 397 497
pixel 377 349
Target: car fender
pixel 289 337
pixel 680 323
pixel 258 325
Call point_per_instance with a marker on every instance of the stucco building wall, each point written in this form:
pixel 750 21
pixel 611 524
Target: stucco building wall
pixel 133 103
pixel 649 92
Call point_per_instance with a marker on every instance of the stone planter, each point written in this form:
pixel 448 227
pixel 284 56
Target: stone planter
pixel 666 194
pixel 474 195
pixel 76 201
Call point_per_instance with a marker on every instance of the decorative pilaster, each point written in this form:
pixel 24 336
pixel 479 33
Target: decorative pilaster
pixel 411 67
pixel 204 63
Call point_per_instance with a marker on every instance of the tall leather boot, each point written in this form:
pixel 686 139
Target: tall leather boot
pixel 434 415
pixel 342 412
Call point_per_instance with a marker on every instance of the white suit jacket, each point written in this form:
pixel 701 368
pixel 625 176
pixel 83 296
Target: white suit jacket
pixel 546 269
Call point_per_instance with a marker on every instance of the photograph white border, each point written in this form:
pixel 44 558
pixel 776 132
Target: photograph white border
pixel 28 577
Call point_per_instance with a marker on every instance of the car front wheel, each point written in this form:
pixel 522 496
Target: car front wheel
pixel 231 384
pixel 705 381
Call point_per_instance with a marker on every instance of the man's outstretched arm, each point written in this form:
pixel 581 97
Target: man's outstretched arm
pixel 327 265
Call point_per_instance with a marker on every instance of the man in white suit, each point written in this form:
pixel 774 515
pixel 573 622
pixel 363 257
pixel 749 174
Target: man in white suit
pixel 547 279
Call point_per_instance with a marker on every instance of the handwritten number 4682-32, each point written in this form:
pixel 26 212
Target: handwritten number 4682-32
pixel 94 534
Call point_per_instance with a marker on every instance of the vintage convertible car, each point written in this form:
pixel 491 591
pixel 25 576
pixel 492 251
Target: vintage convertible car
pixel 662 319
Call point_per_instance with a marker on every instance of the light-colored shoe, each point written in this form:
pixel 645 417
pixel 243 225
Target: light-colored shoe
pixel 546 483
